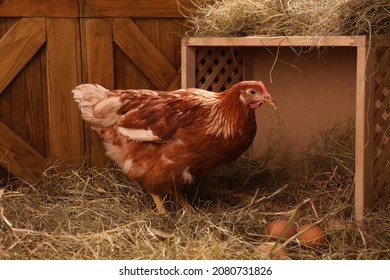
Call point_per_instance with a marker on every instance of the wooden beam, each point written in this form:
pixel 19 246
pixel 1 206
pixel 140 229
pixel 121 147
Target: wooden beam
pixel 39 8
pixel 143 53
pixel 18 46
pixel 133 8
pixel 98 67
pixel 97 47
pixel 364 151
pixel 18 158
pixel 188 70
pixel 288 41
pixel 66 130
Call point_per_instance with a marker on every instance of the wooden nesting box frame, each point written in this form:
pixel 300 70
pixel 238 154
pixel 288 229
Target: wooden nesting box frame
pixel 372 152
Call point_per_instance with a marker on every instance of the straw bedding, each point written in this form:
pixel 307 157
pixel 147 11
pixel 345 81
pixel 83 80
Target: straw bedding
pixel 99 214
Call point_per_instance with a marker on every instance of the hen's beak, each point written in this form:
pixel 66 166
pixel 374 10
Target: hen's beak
pixel 265 98
pixel 268 99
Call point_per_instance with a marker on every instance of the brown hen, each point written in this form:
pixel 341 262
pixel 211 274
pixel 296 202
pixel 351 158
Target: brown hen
pixel 166 139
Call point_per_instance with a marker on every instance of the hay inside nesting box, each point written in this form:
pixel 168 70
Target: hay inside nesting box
pixel 232 18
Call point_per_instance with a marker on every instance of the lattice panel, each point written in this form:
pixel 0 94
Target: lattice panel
pixel 218 68
pixel 381 163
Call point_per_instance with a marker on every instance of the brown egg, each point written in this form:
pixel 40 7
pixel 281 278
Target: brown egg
pixel 313 237
pixel 272 250
pixel 280 228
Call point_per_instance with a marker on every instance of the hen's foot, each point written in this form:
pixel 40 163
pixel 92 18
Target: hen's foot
pixel 159 204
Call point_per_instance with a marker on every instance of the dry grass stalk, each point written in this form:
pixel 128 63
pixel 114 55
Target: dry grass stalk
pixel 231 18
pixel 99 214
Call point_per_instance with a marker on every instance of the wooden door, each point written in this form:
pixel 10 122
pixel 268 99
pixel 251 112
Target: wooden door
pixel 47 49
pixel 39 64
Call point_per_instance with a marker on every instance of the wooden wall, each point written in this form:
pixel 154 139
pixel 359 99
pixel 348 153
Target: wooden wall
pixel 46 49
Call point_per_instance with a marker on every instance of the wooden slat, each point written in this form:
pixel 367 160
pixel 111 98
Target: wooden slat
pixel 171 32
pixel 143 53
pixel 364 151
pixel 361 176
pixel 128 71
pixel 45 105
pixel 150 28
pixel 28 96
pixel 18 157
pixel 98 67
pixel 5 95
pixel 277 41
pixel 97 44
pixel 132 8
pixel 18 46
pixel 188 70
pixel 64 73
pixel 39 8
pixel 5 108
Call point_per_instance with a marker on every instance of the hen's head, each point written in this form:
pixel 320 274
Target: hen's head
pixel 253 94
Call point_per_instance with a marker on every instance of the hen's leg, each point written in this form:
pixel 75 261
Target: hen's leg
pixel 159 204
pixel 183 201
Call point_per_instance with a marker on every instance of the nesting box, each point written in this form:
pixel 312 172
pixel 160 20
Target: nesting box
pixel 315 82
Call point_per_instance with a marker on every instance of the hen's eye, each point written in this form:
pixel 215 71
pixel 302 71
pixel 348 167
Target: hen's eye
pixel 252 92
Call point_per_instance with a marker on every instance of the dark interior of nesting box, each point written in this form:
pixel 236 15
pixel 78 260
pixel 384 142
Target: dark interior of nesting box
pixel 314 88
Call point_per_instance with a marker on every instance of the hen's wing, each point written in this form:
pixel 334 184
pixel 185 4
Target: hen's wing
pixel 155 116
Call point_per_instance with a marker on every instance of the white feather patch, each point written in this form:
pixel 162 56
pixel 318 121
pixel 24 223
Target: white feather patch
pixel 114 152
pixel 242 99
pixel 77 94
pixel 187 175
pixel 138 134
pixel 127 166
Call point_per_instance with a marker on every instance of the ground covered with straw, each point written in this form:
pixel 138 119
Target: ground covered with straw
pixel 99 214
pixel 229 18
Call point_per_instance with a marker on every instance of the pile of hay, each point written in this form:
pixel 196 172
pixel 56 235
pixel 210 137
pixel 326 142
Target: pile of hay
pixel 232 18
pixel 99 214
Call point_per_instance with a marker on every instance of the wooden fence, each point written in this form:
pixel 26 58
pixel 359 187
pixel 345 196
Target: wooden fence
pixel 47 48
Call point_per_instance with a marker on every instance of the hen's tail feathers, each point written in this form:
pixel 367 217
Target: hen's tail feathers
pixel 95 106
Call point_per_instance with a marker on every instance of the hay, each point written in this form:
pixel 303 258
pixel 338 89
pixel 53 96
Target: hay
pixel 231 18
pixel 99 214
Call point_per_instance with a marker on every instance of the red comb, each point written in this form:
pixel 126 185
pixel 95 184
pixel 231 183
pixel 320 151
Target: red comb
pixel 262 87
